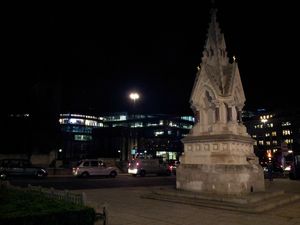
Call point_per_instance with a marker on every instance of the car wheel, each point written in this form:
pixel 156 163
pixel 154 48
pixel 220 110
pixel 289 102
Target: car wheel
pixel 113 174
pixel 85 174
pixel 292 176
pixel 169 173
pixel 40 174
pixel 143 173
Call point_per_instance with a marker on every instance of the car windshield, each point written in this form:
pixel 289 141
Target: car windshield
pixel 78 163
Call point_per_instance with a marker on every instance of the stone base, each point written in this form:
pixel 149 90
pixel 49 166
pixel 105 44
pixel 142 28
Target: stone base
pixel 251 203
pixel 220 179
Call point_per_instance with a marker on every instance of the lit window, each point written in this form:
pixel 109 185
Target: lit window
pixel 267 134
pixel 172 124
pixel 157 133
pixel 286 124
pixel 81 137
pixel 286 132
pixel 288 141
pixel 261 142
pixel 274 133
pixel 92 123
pixel 152 124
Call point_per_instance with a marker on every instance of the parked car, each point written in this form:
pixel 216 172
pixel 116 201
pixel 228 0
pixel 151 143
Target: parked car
pixel 273 170
pixel 148 166
pixel 20 167
pixel 93 167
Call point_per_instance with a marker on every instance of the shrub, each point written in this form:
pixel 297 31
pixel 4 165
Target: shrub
pixel 33 208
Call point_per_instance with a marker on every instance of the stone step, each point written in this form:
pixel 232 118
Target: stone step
pixel 241 199
pixel 251 203
pixel 274 202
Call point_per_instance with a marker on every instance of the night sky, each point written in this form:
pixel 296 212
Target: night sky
pixel 92 56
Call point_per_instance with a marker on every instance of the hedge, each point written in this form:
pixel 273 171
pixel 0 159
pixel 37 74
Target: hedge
pixel 33 208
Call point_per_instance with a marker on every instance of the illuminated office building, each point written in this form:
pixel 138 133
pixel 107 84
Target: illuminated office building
pixel 122 135
pixel 276 134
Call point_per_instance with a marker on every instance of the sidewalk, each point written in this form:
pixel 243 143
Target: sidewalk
pixel 125 207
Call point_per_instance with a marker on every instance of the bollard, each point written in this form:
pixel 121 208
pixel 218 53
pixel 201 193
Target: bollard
pixel 104 216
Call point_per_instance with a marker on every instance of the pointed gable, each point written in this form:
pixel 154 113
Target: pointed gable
pixel 215 63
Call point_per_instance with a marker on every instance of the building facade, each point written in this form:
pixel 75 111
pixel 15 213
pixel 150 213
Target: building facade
pixel 276 134
pixel 122 135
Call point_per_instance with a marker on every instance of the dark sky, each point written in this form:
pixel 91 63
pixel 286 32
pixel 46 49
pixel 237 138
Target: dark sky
pixel 94 55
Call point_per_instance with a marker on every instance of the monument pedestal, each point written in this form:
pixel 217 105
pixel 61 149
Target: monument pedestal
pixel 218 152
pixel 221 164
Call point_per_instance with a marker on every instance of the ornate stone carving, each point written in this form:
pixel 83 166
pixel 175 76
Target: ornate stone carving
pixel 218 147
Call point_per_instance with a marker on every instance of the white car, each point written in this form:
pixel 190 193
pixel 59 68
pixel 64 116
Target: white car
pixel 148 166
pixel 93 167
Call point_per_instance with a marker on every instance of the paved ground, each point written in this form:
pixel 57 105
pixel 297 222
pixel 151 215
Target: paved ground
pixel 125 207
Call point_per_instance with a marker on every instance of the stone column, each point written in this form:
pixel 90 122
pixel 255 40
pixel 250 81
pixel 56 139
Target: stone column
pixel 239 114
pixel 217 111
pixel 233 113
pixel 217 114
pixel 223 113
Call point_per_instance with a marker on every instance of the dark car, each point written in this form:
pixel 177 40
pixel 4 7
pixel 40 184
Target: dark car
pixel 295 168
pixel 20 167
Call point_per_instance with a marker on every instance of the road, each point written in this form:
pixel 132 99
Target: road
pixel 73 183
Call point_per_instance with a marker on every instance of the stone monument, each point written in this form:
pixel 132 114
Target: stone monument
pixel 218 152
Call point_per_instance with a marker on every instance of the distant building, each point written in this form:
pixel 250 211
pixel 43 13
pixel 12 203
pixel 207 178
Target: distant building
pixel 123 136
pixel 276 134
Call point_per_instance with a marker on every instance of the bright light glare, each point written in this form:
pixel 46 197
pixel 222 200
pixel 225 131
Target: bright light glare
pixel 134 96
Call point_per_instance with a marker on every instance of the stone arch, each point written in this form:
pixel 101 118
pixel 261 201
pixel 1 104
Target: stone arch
pixel 208 96
pixel 208 113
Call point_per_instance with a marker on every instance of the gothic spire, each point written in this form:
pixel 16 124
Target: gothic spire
pixel 215 47
pixel 214 53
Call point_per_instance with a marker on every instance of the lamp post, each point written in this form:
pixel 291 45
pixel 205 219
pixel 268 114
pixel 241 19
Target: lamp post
pixel 134 96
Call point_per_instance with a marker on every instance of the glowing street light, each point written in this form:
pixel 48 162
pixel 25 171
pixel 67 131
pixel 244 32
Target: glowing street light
pixel 134 96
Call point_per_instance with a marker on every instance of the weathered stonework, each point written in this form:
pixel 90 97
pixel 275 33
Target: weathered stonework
pixel 218 152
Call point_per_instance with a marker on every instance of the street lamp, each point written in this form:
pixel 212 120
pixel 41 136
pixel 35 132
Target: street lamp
pixel 133 96
pixel 120 155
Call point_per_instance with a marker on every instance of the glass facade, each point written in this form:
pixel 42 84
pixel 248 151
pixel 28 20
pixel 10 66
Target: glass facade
pixel 116 135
